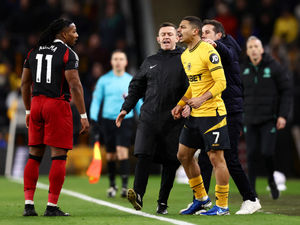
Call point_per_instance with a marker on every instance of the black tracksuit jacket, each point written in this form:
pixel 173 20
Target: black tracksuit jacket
pixel 229 51
pixel 267 91
pixel 162 82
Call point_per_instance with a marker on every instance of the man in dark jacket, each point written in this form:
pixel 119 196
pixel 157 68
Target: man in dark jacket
pixel 213 32
pixel 161 80
pixel 267 101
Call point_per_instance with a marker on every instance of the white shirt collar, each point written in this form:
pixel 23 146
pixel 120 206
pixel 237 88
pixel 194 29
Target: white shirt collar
pixel 58 40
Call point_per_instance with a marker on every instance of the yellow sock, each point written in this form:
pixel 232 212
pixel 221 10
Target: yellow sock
pixel 197 185
pixel 222 192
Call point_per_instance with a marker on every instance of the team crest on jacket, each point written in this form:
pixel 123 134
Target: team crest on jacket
pixel 246 71
pixel 189 66
pixel 267 73
pixel 214 58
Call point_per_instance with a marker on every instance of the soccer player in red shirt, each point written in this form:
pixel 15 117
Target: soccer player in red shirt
pixel 49 79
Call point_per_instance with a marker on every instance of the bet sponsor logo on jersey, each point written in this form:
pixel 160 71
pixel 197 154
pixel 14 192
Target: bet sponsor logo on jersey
pixel 194 78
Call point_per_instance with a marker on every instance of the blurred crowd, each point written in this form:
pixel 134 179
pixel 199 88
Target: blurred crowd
pixel 102 28
pixel 275 22
pixel 100 24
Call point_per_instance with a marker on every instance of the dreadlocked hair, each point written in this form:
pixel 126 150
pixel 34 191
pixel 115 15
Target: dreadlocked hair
pixel 48 35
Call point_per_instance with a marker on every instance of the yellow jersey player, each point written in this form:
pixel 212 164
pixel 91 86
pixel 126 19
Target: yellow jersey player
pixel 206 128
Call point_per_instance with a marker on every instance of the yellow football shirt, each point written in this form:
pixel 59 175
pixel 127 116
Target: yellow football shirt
pixel 204 69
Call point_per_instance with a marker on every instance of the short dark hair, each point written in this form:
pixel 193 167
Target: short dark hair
pixel 167 24
pixel 218 27
pixel 194 20
pixel 48 35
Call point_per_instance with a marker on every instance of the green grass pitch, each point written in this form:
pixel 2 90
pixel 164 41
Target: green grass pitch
pixel 284 211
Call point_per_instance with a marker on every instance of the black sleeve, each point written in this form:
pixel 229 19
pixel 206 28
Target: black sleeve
pixel 73 61
pixel 224 51
pixel 284 86
pixel 137 88
pixel 186 80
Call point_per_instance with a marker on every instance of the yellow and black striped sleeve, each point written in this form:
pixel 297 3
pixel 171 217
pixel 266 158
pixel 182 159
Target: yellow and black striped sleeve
pixel 217 72
pixel 187 95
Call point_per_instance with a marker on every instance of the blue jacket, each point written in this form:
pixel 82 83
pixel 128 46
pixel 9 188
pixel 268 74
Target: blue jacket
pixel 229 51
pixel 111 90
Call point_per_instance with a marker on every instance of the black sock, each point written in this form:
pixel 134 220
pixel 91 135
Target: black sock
pixel 124 172
pixel 111 169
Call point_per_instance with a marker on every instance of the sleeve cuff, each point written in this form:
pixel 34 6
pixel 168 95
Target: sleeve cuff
pixel 181 103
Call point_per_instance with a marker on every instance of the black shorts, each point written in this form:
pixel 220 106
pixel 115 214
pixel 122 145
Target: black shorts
pixel 161 141
pixel 206 133
pixel 114 136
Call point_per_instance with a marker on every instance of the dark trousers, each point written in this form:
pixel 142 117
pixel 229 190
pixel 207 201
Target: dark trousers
pixel 234 123
pixel 260 138
pixel 142 174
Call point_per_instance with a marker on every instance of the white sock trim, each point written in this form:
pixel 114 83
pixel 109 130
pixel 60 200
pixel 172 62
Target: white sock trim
pixel 29 202
pixel 203 198
pixel 51 204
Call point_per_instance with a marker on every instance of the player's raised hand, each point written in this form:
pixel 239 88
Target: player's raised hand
pixel 120 118
pixel 209 41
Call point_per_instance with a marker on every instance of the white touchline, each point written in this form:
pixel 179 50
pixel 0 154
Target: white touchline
pixel 108 204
